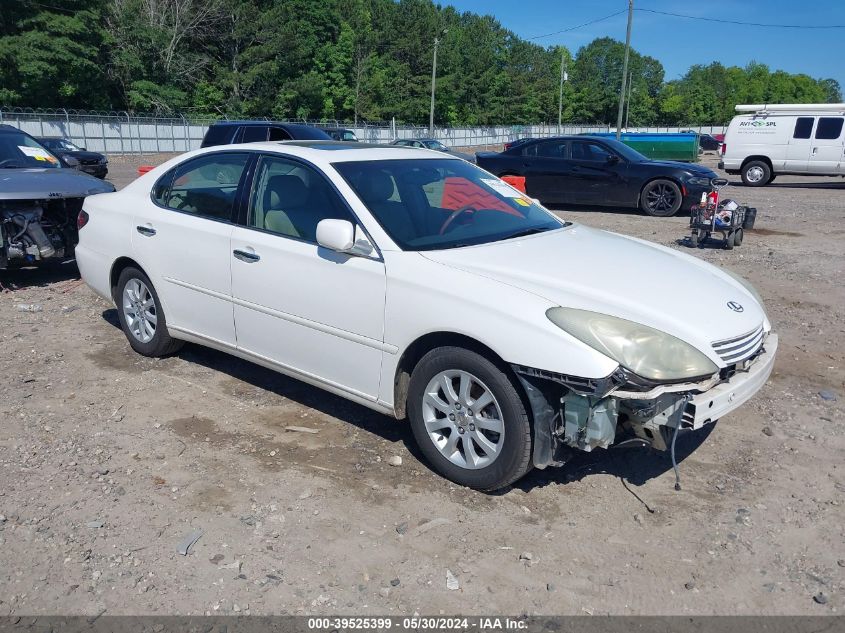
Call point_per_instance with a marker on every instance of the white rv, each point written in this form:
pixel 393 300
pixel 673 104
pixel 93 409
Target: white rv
pixel 768 140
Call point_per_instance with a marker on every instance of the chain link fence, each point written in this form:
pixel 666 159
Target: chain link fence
pixel 125 133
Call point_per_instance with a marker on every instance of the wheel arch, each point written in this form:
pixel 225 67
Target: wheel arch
pixel 423 345
pixel 119 265
pixel 760 157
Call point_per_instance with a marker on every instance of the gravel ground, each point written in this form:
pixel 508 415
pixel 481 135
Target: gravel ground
pixel 109 460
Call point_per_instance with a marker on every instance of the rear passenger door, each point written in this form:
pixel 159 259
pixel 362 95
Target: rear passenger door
pixel 826 155
pixel 798 149
pixel 547 171
pixel 180 237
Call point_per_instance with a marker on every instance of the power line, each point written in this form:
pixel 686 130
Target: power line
pixel 721 21
pixel 572 28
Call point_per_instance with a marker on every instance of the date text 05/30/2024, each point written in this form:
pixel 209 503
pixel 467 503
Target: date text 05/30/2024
pixel 416 623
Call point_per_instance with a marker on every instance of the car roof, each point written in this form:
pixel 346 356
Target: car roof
pixel 293 126
pixel 325 152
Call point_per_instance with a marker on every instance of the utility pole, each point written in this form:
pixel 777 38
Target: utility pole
pixel 624 69
pixel 433 78
pixel 628 102
pixel 563 78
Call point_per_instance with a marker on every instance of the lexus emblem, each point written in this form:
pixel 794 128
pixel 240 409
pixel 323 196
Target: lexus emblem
pixel 736 307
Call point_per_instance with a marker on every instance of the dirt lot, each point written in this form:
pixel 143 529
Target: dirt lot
pixel 108 460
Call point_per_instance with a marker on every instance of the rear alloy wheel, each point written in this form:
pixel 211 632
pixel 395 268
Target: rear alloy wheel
pixel 661 198
pixel 468 419
pixel 141 316
pixel 756 173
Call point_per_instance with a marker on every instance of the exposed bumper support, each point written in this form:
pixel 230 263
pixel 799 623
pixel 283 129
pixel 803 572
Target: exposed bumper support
pixel 711 405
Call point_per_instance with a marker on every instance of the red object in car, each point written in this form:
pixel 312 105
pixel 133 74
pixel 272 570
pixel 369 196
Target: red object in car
pixel 517 182
pixel 143 169
pixel 81 219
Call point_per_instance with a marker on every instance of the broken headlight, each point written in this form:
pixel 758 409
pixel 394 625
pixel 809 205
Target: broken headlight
pixel 643 350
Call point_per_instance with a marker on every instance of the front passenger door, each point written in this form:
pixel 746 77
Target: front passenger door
pixel 312 311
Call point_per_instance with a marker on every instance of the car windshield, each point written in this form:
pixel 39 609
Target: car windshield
pixel 67 145
pixel 432 144
pixel 431 204
pixel 17 150
pixel 349 135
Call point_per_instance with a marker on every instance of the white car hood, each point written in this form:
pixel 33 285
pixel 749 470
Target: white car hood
pixel 590 269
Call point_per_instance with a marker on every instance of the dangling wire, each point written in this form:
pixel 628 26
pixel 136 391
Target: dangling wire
pixel 674 461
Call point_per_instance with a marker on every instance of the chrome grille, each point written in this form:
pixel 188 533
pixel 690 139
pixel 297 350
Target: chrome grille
pixel 738 348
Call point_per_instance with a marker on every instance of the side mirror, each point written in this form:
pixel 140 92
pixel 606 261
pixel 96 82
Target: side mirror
pixel 612 159
pixel 336 235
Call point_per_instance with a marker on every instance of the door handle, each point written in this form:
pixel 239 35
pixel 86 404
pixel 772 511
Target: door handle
pixel 246 256
pixel 147 231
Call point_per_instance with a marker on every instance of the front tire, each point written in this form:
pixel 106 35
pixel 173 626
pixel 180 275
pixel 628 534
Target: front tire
pixel 469 419
pixel 661 198
pixel 756 173
pixel 141 316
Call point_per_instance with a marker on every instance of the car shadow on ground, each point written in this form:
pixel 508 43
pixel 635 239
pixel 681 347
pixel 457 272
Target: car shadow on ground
pixel 713 243
pixel 635 465
pixel 40 276
pixel 292 389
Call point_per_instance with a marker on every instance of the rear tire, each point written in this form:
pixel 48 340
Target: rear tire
pixel 141 316
pixel 729 241
pixel 661 198
pixel 756 173
pixel 738 237
pixel 487 448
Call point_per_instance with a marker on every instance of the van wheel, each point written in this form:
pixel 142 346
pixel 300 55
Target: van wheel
pixel 756 173
pixel 468 419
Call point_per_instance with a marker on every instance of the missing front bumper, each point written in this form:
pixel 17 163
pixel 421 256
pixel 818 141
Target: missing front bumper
pixel 566 420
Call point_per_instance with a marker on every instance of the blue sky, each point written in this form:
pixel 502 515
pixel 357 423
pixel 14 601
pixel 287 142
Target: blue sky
pixel 679 43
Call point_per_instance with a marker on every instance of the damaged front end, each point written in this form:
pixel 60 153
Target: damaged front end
pixel 32 231
pixel 572 413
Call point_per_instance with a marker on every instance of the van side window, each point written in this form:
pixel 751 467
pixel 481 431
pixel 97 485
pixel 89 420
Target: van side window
pixel 829 128
pixel 253 133
pixel 278 134
pixel 803 127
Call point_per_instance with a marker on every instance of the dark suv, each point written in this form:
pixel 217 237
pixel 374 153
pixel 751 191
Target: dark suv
pixel 230 132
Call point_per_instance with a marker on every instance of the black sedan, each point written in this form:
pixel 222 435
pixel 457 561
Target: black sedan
pixel 92 163
pixel 600 171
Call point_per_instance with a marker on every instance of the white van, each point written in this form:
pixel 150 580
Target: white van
pixel 768 140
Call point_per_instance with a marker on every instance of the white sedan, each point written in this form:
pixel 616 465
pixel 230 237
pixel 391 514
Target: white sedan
pixel 424 288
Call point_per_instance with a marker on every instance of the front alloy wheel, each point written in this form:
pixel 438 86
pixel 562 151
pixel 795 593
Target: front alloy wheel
pixel 463 419
pixel 469 419
pixel 661 198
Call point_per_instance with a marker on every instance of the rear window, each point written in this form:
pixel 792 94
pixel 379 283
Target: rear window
pixel 803 127
pixel 829 128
